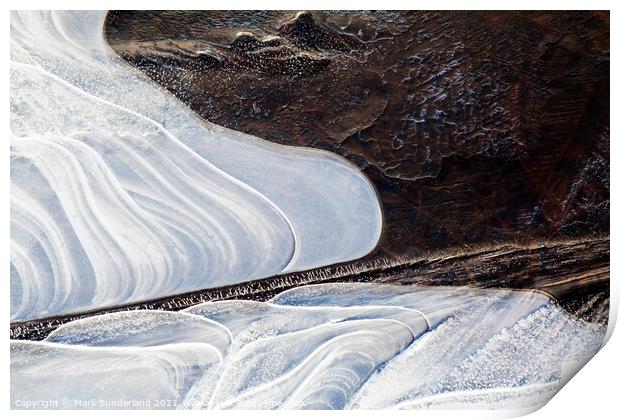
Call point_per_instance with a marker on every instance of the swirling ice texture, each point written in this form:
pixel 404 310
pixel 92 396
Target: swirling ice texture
pixel 119 193
pixel 327 346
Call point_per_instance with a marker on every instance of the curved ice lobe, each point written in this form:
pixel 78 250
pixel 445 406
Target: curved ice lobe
pixel 320 367
pixel 249 321
pixel 496 366
pixel 77 375
pixel 119 193
pixel 436 303
pixel 144 329
pixel 139 234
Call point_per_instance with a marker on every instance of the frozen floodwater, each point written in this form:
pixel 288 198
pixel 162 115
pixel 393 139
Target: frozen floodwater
pixel 332 346
pixel 119 193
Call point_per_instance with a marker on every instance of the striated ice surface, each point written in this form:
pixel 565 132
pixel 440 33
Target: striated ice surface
pixel 332 346
pixel 43 371
pixel 119 193
pixel 143 328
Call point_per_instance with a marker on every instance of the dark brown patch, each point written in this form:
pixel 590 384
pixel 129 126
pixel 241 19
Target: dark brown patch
pixel 475 127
